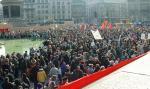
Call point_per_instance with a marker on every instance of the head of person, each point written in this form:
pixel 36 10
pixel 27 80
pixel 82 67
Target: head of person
pixel 24 75
pixel 78 67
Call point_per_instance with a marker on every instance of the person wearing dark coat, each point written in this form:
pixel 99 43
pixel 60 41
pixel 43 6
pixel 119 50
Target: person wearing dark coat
pixel 25 81
pixel 6 84
pixel 77 73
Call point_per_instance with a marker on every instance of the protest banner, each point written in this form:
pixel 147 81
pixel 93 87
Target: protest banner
pixel 96 34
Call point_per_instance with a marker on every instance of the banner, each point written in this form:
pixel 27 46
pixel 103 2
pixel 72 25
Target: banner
pixel 143 36
pixel 96 35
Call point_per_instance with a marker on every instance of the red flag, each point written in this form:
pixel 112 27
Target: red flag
pixel 106 22
pixel 110 26
pixel 103 26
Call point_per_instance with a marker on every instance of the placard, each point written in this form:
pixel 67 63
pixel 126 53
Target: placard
pixel 148 36
pixel 96 34
pixel 143 36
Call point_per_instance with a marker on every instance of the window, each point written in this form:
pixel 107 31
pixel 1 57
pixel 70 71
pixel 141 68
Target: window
pixel 38 6
pixel 58 7
pixel 42 1
pixel 53 12
pixel 46 6
pixel 63 7
pixel 39 12
pixel 63 3
pixel 43 11
pixel 33 0
pixel 46 11
pixel 69 11
pixel 42 6
pixel 46 1
pixel 68 3
pixel 53 7
pixel 58 12
pixel 63 17
pixel 63 12
pixel 58 3
pixel 46 17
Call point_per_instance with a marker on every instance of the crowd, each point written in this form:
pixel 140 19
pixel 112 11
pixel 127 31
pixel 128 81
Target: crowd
pixel 34 34
pixel 68 55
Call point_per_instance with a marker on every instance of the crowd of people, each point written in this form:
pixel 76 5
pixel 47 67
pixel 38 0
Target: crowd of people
pixel 34 34
pixel 68 55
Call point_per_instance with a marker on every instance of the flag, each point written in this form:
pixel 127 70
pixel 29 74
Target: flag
pixel 104 24
pixel 110 26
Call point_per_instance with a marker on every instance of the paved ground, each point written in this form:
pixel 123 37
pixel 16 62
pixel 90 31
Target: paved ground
pixel 135 75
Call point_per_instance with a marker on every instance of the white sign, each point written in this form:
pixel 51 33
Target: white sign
pixel 148 36
pixel 96 34
pixel 143 36
pixel 2 50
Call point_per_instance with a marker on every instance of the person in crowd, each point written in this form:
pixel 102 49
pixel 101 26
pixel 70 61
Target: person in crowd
pixel 53 71
pixel 41 76
pixel 90 69
pixel 7 84
pixel 52 83
pixel 17 84
pixel 77 73
pixel 25 81
pixel 97 68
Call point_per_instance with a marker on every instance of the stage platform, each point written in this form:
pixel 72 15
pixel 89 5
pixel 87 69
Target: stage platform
pixel 135 75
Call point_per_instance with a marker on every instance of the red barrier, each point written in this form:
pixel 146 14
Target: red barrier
pixel 82 82
pixel 4 30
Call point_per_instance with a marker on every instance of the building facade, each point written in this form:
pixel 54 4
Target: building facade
pixel 61 10
pixel 78 11
pixel 1 13
pixel 12 11
pixel 43 11
pixel 139 10
pixel 40 11
pixel 12 8
pixel 101 9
